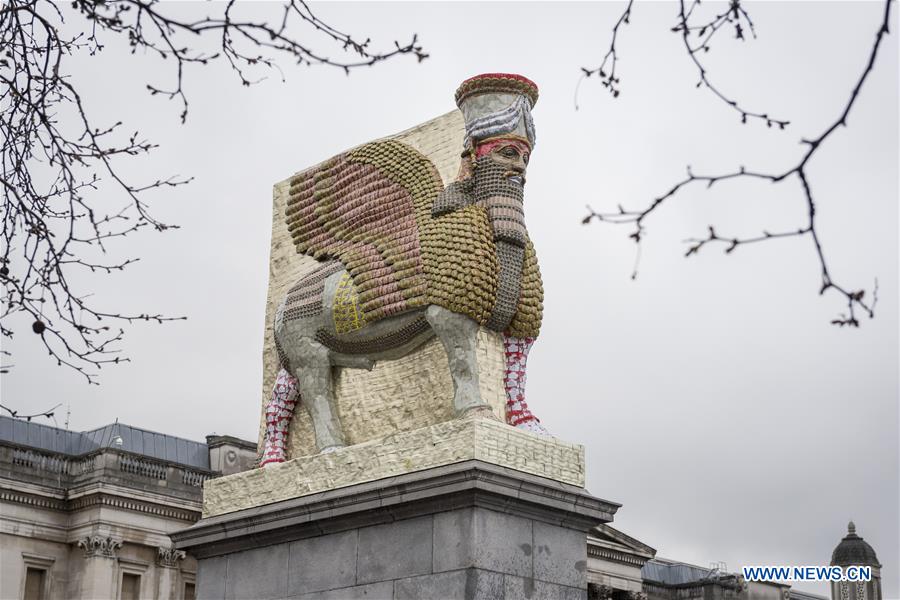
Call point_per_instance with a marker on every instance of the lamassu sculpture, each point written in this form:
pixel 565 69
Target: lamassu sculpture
pixel 403 259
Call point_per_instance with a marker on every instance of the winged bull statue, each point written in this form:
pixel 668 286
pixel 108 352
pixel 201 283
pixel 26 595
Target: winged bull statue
pixel 402 259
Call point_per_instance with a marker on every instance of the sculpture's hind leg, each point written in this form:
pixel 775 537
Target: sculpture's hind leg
pixel 312 368
pixel 279 412
pixel 517 413
pixel 458 334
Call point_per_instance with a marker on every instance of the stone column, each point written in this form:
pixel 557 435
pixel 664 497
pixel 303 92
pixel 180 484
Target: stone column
pixel 99 576
pixel 600 592
pixel 168 560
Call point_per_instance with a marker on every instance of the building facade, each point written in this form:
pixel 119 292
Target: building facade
pixel 88 514
pixel 623 568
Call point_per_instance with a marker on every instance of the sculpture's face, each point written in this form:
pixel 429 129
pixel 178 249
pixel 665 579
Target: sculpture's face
pixel 498 185
pixel 509 153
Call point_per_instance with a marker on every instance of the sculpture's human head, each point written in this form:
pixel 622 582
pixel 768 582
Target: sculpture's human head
pixel 498 144
pixel 499 129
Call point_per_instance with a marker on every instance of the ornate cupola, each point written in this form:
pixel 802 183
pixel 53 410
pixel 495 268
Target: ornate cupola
pixel 854 551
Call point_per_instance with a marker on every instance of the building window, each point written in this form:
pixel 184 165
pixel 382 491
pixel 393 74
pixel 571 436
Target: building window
pixel 37 576
pixel 131 586
pixel 189 591
pixel 35 583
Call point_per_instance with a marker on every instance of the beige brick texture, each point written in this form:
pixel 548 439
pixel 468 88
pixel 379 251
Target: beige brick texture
pixel 399 453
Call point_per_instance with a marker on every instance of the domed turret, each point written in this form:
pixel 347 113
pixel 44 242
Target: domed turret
pixel 853 550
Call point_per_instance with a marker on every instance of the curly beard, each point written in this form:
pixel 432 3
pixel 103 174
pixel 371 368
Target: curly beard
pixel 494 187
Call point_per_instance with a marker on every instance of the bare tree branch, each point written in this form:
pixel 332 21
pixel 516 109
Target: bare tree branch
pixel 48 414
pixel 54 156
pixel 735 16
pixel 607 69
pixel 738 18
pixel 855 299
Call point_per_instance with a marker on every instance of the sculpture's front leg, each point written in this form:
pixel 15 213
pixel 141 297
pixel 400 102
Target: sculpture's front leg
pixel 517 413
pixel 459 334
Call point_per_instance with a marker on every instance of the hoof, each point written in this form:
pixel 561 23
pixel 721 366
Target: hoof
pixel 534 426
pixel 330 449
pixel 479 412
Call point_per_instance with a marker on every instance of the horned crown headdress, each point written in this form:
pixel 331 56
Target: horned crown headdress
pixel 497 104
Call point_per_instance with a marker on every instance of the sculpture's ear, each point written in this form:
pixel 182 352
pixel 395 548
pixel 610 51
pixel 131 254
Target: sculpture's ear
pixel 455 196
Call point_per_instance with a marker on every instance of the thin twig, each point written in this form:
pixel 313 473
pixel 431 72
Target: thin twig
pixel 16 415
pixel 736 16
pixel 607 69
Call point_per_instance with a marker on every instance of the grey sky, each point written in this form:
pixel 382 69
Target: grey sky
pixel 712 396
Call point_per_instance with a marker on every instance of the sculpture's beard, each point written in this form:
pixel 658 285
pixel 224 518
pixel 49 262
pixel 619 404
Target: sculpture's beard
pixel 500 191
pixel 495 187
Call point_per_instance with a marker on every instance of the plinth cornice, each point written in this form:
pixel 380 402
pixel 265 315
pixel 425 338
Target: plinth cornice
pixel 470 483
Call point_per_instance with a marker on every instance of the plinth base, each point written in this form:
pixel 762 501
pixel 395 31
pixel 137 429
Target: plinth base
pixel 404 452
pixel 465 530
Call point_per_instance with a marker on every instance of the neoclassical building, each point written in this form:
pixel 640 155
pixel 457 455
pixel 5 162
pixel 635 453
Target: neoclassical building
pixel 88 514
pixel 623 568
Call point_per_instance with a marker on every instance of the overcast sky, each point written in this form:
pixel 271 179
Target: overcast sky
pixel 713 398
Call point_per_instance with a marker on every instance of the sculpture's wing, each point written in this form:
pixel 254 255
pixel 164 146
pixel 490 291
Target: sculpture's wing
pixel 366 208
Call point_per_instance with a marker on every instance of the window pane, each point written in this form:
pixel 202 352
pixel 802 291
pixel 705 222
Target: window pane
pixel 34 584
pixel 131 586
pixel 189 591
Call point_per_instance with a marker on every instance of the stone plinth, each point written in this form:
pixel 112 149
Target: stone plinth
pixel 404 452
pixel 464 530
pixel 470 508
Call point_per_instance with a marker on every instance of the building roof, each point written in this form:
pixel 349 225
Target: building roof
pixel 133 439
pixel 676 573
pixel 853 550
pixel 607 544
pixel 673 573
pixel 798 595
pixel 606 532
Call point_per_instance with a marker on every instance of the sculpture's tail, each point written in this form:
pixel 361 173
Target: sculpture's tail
pixel 279 412
pixel 517 413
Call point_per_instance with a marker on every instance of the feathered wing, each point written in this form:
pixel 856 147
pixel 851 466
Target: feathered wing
pixel 373 209
pixel 366 208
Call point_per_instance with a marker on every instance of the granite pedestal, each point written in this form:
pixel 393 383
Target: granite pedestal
pixel 466 529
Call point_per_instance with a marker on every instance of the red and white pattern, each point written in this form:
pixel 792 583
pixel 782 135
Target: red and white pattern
pixel 279 412
pixel 517 413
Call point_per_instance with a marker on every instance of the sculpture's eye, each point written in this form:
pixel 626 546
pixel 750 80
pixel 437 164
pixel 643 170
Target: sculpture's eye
pixel 509 152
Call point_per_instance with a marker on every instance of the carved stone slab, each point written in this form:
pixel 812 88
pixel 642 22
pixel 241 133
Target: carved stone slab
pixel 449 442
